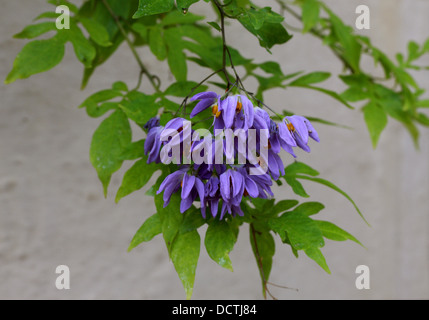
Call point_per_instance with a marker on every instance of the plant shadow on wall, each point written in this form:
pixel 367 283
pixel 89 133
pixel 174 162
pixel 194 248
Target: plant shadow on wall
pixel 188 126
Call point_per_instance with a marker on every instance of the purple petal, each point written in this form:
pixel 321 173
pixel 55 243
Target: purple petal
pixel 273 165
pixel 285 135
pixel 199 185
pixel 204 95
pixel 248 111
pixel 300 127
pixel 251 187
pixel 214 205
pixel 225 187
pixel 229 105
pixel 185 204
pixel 187 185
pixel 237 183
pixel 201 106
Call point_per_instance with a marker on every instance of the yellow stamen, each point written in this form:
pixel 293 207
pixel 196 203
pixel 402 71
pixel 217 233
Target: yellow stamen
pixel 239 106
pixel 214 109
pixel 218 114
pixel 290 127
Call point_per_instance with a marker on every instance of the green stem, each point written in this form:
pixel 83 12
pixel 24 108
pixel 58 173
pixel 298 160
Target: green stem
pixel 143 69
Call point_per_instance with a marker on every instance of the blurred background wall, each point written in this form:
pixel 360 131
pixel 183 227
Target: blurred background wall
pixel 52 210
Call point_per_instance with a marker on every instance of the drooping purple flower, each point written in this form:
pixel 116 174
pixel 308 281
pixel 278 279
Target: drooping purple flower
pixel 264 183
pixel 295 131
pixel 207 99
pixel 231 187
pixel 176 137
pixel 234 184
pixel 171 184
pixel 191 185
pixel 212 194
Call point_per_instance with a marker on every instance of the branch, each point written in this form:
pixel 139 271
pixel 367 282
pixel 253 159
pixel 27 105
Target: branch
pixel 143 70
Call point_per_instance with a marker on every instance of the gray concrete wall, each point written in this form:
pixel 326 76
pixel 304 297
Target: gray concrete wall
pixel 52 210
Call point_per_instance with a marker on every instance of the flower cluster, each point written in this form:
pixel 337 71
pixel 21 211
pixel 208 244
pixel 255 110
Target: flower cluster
pixel 240 164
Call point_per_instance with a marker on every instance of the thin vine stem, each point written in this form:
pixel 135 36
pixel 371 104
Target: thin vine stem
pixel 154 80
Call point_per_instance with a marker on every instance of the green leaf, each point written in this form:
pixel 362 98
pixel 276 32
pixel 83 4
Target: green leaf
pixel 47 15
pixel 176 17
pixel 215 25
pixel 313 77
pixel 192 220
pixel 35 57
pixel 96 31
pixel 333 232
pixel 269 34
pixel 290 177
pixel 315 254
pixel 108 143
pixel 300 167
pixel 219 241
pixel 73 8
pixel 283 206
pixel 184 255
pixel 134 151
pixel 120 86
pixel 96 105
pixel 150 228
pixel 83 48
pixel 136 177
pixel 376 121
pixel 35 30
pixel 302 231
pixel 150 7
pixel 175 56
pixel 352 49
pixel 156 43
pixel 171 218
pixel 334 187
pixel 263 247
pixel 271 67
pixel 101 96
pixel 310 14
pixel 184 89
pixel 139 107
pixel 423 104
pixel 355 94
pixel 309 208
pixel 185 4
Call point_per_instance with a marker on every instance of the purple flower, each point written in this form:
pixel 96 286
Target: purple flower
pixel 294 131
pixel 212 194
pixel 207 99
pixel 152 123
pixel 237 112
pixel 191 185
pixel 152 144
pixel 234 184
